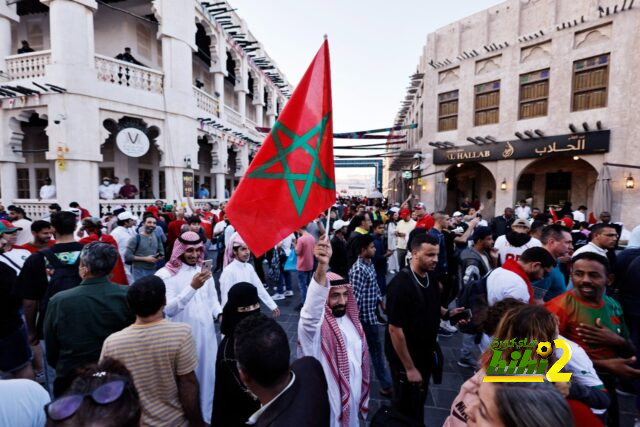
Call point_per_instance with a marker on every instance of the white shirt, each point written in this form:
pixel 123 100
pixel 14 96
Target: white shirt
pixel 237 272
pixel 590 247
pixel 228 232
pixel 523 212
pixel 508 251
pixel 48 192
pixel 579 216
pixel 197 308
pixel 310 341
pixel 286 243
pixel 256 415
pixel 24 235
pixel 404 227
pixel 502 284
pixel 106 192
pixel 122 235
pixel 116 188
pixel 21 403
pixel 17 257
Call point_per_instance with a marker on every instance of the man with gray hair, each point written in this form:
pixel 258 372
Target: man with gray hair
pixel 78 320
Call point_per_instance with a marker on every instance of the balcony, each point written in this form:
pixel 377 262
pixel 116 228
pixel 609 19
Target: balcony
pixel 206 102
pixel 35 208
pixel 28 65
pixel 233 116
pixel 124 73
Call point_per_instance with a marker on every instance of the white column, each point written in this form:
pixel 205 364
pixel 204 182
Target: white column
pixel 8 182
pixel 220 181
pixel 242 104
pixel 7 15
pixel 218 82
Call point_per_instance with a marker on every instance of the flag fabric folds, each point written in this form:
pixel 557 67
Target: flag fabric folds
pixel 292 178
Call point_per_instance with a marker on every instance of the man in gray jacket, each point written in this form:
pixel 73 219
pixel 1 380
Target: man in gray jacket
pixel 475 262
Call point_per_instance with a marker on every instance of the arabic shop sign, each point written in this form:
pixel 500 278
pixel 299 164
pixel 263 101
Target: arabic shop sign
pixel 549 146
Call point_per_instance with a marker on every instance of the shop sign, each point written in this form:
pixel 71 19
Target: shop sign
pixel 550 146
pixel 187 184
pixel 133 142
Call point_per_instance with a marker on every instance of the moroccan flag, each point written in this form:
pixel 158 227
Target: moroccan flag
pixel 291 179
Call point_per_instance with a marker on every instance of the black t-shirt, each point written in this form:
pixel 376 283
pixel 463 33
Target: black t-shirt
pixel 10 301
pixel 416 310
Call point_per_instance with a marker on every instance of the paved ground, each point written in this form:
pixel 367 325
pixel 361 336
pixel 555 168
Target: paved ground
pixel 440 396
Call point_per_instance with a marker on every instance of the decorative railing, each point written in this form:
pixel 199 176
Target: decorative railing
pixel 127 74
pixel 233 116
pixel 206 102
pixel 35 208
pixel 28 65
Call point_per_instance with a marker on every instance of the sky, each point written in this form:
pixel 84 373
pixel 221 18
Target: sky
pixel 374 45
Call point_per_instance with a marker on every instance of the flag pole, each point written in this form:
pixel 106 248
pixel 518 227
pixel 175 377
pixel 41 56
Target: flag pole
pixel 328 223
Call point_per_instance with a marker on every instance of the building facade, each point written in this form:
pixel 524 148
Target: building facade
pixel 530 99
pixel 177 110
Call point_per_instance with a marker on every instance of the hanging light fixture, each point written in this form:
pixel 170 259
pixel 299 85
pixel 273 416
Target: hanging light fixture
pixel 630 183
pixel 503 185
pixel 576 157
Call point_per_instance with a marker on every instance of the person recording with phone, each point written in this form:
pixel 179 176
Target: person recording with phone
pixel 192 299
pixel 144 250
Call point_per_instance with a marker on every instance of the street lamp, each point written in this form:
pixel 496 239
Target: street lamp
pixel 630 184
pixel 503 185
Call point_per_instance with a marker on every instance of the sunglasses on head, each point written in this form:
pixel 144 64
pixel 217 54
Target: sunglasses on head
pixel 66 406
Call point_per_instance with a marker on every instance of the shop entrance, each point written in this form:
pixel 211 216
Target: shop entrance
pixel 470 181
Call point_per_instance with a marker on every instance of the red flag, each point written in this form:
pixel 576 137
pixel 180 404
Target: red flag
pixel 291 179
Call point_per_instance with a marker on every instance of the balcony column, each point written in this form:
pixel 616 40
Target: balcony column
pixel 271 107
pixel 7 15
pixel 258 101
pixel 8 182
pixel 216 51
pixel 241 87
pixel 220 186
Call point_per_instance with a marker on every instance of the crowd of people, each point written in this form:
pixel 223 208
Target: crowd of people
pixel 114 318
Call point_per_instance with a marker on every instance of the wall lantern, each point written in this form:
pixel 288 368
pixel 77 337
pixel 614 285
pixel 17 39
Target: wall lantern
pixel 630 182
pixel 576 157
pixel 503 185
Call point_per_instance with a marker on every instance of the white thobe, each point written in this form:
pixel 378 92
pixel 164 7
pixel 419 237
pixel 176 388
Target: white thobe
pixel 198 308
pixel 237 272
pixel 122 235
pixel 310 340
pixel 48 192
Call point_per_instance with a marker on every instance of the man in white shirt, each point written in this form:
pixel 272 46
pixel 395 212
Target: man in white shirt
pixel 514 278
pixel 403 229
pixel 192 299
pixel 106 190
pixel 14 257
pixel 124 231
pixel 48 190
pixel 17 216
pixel 116 186
pixel 238 269
pixel 603 238
pixel 330 330
pixel 580 215
pixel 522 210
pixel 513 244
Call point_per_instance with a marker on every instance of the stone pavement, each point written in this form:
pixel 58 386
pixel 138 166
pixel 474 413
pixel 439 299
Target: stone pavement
pixel 440 396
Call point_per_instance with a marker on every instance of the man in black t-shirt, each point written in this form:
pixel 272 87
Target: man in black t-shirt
pixel 38 281
pixel 414 313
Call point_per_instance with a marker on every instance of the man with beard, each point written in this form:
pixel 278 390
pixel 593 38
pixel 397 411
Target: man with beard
pixel 238 269
pixel 558 242
pixel 232 404
pixel 330 330
pixel 192 299
pixel 513 244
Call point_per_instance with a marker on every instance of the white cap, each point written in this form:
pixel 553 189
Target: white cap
pixel 458 213
pixel 123 216
pixel 337 225
pixel 76 211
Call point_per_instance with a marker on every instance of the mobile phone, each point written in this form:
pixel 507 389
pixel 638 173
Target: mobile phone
pixel 207 265
pixel 464 315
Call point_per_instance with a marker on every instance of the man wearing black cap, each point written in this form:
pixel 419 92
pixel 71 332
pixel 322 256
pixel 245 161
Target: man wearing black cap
pixel 475 262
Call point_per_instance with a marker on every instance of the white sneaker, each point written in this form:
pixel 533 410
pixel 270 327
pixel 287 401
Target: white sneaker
pixel 277 297
pixel 288 293
pixel 444 324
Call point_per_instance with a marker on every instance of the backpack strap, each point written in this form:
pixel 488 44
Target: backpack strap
pixel 16 266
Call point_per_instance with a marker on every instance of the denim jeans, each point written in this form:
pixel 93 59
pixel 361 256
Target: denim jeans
pixel 139 273
pixel 372 333
pixel 284 282
pixel 469 350
pixel 304 278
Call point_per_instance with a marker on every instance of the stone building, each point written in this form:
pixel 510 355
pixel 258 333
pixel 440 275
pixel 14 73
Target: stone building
pixel 530 99
pixel 177 110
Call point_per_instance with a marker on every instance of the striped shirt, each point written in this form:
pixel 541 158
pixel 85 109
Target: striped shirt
pixel 155 354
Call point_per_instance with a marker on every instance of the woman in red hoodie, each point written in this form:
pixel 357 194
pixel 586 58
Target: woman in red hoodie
pixel 93 227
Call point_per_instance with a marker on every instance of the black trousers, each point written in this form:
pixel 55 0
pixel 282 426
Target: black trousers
pixel 409 399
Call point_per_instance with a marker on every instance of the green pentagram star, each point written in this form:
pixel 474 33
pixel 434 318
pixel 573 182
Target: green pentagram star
pixel 297 141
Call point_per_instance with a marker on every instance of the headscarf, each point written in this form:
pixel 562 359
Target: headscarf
pixel 634 240
pixel 334 350
pixel 241 295
pixel 234 242
pixel 187 240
